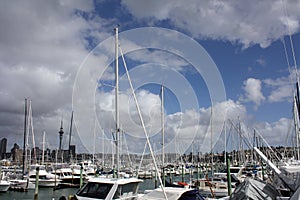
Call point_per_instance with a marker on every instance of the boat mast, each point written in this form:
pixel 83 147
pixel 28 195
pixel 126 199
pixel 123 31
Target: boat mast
pixel 30 129
pixel 24 141
pixel 162 125
pixel 117 96
pixel 298 114
pixel 70 134
pixel 102 147
pixel 211 141
pixel 94 144
pixel 43 152
pixel 296 122
pixel 225 142
pixel 163 132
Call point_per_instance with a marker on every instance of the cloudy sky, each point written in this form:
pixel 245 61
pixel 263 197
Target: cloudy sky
pixel 60 55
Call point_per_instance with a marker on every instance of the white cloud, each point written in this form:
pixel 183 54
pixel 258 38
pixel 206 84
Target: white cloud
pixel 276 90
pixel 181 128
pixel 261 61
pixel 42 44
pixel 41 47
pixel 253 93
pixel 282 90
pixel 255 22
pixel 129 120
pixel 276 133
pixel 165 59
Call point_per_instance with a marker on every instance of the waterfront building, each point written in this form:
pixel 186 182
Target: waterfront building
pixel 17 154
pixel 3 144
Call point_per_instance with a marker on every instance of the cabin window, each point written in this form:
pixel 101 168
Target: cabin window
pixel 95 190
pixel 127 189
pixel 234 170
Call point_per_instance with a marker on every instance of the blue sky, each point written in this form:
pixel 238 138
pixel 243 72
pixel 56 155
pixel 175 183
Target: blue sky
pixel 45 45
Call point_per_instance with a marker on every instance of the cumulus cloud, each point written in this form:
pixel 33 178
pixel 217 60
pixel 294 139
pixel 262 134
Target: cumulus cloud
pixel 276 133
pixel 261 61
pixel 41 46
pixel 275 90
pixel 253 92
pixel 43 43
pixel 181 128
pixel 281 89
pixel 248 23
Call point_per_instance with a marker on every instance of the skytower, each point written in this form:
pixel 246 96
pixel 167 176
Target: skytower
pixel 61 132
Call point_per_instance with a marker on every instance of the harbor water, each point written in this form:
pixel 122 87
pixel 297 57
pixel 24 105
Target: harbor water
pixel 50 194
pixel 44 194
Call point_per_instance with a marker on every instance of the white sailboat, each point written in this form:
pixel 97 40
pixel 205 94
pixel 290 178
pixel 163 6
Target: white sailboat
pixel 65 174
pixel 172 191
pixel 24 183
pixel 111 188
pixel 46 179
pixel 4 185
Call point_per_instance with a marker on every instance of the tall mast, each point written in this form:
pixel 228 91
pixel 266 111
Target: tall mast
pixel 298 114
pixel 211 141
pixel 94 144
pixel 162 125
pixel 117 96
pixel 24 141
pixel 225 142
pixel 102 147
pixel 296 121
pixel 43 152
pixel 163 133
pixel 30 129
pixel 70 134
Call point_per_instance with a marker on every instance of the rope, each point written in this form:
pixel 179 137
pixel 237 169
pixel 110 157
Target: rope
pixel 290 38
pixel 142 121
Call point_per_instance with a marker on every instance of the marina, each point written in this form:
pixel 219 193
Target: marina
pixel 49 193
pixel 149 100
pixel 193 178
pixel 44 193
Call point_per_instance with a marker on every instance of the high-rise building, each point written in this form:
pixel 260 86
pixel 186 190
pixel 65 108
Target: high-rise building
pixel 3 144
pixel 72 151
pixel 17 154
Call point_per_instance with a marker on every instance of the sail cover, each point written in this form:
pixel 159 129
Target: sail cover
pixel 254 189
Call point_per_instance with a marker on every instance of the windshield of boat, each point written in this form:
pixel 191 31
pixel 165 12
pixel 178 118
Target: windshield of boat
pixel 126 190
pixel 95 190
pixel 234 170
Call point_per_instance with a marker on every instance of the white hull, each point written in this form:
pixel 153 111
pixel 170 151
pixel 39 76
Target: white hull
pixel 109 188
pixel 4 186
pixel 21 184
pixel 158 194
pixel 47 182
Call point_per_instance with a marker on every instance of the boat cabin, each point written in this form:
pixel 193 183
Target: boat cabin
pixel 104 188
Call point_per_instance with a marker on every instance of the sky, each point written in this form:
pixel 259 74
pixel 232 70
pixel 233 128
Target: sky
pixel 222 63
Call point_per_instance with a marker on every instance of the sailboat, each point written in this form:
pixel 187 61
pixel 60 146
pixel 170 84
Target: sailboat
pixel 4 185
pixel 111 188
pixel 24 183
pixel 169 190
pixel 127 188
pixel 45 179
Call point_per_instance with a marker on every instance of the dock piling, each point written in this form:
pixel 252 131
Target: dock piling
pixel 36 191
